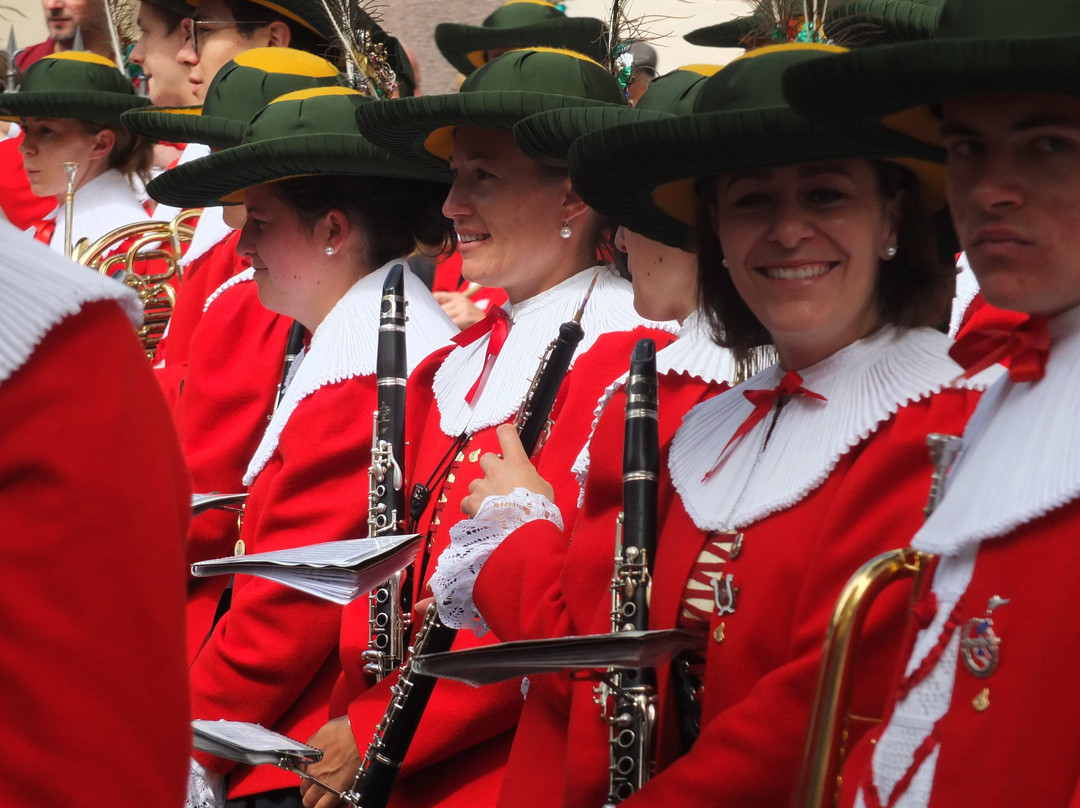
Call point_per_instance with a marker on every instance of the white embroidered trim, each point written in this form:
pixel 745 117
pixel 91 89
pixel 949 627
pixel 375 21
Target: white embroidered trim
pixel 209 232
pixel 98 207
pixel 535 323
pixel 205 788
pixel 694 353
pixel 40 289
pixel 865 384
pixel 991 492
pixel 472 541
pixel 966 288
pixel 240 277
pixel 345 345
pixel 913 718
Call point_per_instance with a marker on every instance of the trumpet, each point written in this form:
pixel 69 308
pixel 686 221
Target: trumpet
pixel 70 170
pixel 830 725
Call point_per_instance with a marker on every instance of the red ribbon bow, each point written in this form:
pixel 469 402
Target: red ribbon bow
pixel 1024 348
pixel 763 400
pixel 497 324
pixel 43 230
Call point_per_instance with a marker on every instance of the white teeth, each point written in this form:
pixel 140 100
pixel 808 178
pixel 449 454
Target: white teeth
pixel 797 273
pixel 471 239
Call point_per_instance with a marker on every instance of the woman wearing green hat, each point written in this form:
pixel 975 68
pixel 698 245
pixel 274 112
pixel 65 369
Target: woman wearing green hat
pixel 521 227
pixel 69 105
pixel 980 716
pixel 320 243
pixel 778 489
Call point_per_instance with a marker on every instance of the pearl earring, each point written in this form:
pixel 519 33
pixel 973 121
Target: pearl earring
pixel 329 250
pixel 565 231
pixel 724 262
pixel 890 252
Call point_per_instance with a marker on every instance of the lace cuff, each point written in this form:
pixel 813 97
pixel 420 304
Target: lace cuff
pixel 471 542
pixel 205 788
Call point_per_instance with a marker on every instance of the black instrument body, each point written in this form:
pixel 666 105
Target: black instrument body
pixel 410 695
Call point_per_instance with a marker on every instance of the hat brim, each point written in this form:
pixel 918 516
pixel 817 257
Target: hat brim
pixel 657 197
pixel 464 46
pixel 211 180
pixel 82 105
pixel 424 126
pixel 547 136
pixel 185 125
pixel 894 84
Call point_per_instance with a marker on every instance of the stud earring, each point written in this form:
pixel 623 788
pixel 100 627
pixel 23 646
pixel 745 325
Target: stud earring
pixel 724 262
pixel 890 252
pixel 329 250
pixel 565 231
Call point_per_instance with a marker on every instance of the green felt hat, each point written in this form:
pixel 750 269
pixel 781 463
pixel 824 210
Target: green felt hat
pixel 246 84
pixel 72 84
pixel 504 91
pixel 857 22
pixel 546 136
pixel 309 13
pixel 520 24
pixel 643 175
pixel 306 132
pixel 981 47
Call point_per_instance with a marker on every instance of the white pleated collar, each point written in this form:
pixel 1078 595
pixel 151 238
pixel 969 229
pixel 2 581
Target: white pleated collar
pixel 40 289
pixel 345 345
pixel 192 151
pixel 694 354
pixel 210 231
pixel 240 277
pixel 98 207
pixel 1021 453
pixel 864 384
pixel 534 324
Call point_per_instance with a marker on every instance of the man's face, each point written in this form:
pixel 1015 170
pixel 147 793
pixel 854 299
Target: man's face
pixel 64 16
pixel 1014 191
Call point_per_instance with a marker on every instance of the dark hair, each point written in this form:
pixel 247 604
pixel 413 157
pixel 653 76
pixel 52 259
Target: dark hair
pixel 131 154
pixel 603 235
pixel 170 19
pixel 398 216
pixel 249 14
pixel 913 289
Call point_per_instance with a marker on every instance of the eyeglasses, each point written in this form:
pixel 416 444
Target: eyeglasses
pixel 194 26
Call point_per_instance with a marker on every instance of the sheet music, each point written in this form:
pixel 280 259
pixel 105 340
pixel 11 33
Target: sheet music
pixel 338 571
pixel 250 743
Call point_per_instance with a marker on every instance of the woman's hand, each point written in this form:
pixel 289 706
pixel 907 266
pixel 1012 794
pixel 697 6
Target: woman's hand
pixel 459 308
pixel 338 767
pixel 504 472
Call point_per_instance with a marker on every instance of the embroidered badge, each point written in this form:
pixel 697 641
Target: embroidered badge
pixel 979 645
pixel 724 595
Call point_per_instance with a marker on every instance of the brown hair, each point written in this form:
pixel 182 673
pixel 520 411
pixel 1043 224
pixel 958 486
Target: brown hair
pixel 131 154
pixel 398 216
pixel 913 289
pixel 249 14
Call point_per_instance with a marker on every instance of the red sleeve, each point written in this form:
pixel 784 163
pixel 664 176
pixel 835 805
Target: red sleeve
pixel 761 678
pixel 237 355
pixel 272 658
pixel 17 201
pixel 91 655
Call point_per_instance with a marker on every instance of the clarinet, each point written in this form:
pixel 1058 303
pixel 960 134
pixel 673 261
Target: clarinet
pixel 294 343
pixel 412 691
pixel 387 616
pixel 628 695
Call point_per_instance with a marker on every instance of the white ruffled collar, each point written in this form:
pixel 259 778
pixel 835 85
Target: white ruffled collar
pixel 864 384
pixel 1021 453
pixel 210 231
pixel 40 289
pixel 192 151
pixel 534 323
pixel 98 207
pixel 345 345
pixel 694 354
pixel 240 277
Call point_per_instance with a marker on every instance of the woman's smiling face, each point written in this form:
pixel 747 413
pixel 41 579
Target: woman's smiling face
pixel 804 246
